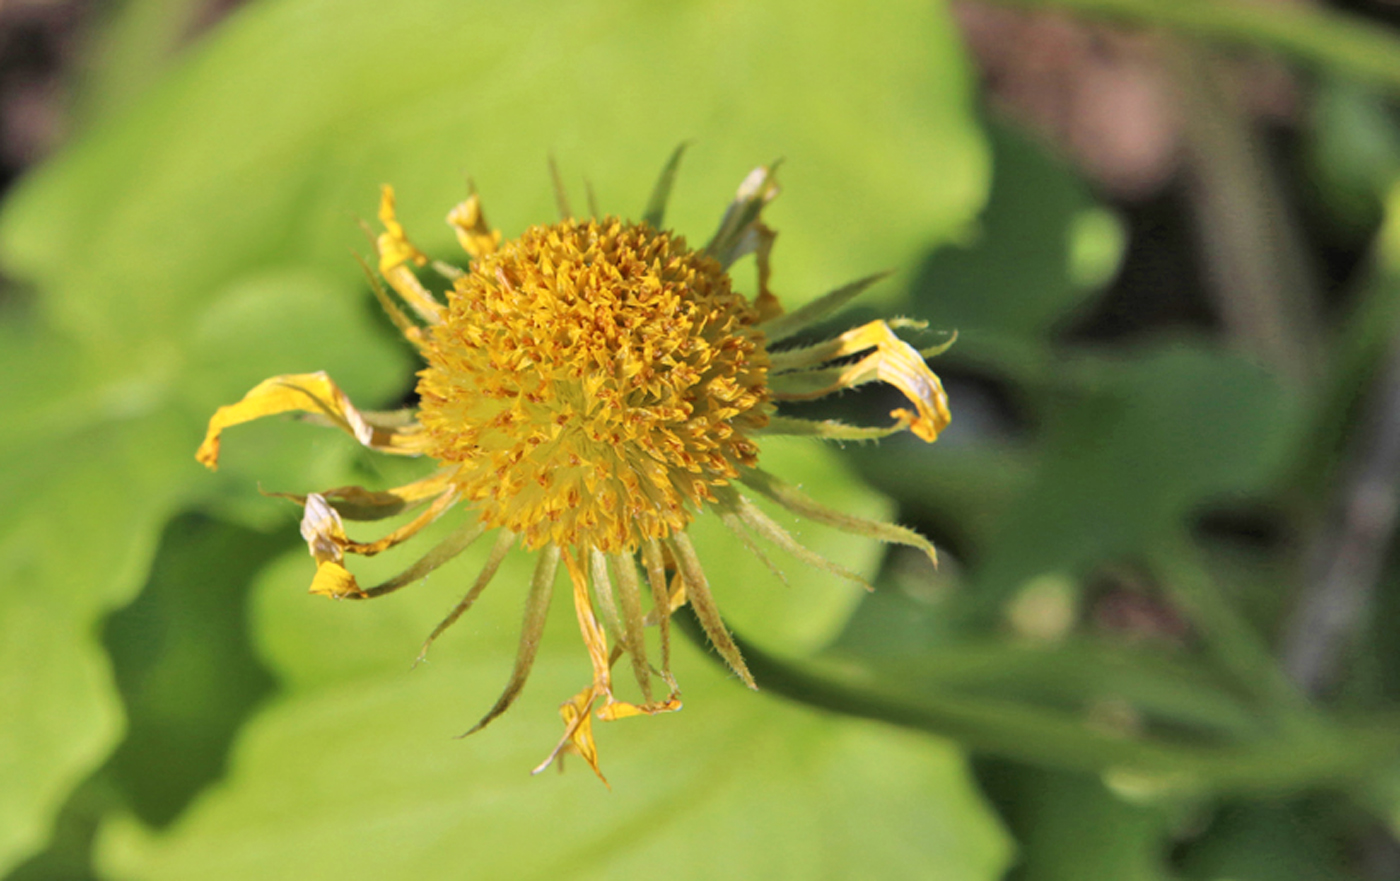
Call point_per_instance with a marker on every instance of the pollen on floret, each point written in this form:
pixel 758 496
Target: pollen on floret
pixel 596 380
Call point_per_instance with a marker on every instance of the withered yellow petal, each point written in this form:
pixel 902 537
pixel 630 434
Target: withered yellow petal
pixel 396 252
pixel 393 245
pixel 578 733
pixel 799 374
pixel 473 232
pixel 303 393
pixel 335 581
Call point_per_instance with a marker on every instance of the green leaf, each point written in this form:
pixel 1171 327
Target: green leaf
pixel 354 770
pixel 72 545
pixel 1041 250
pixel 1295 840
pixel 1071 826
pixel 183 665
pixel 98 455
pixel 321 116
pixel 1163 435
pixel 187 248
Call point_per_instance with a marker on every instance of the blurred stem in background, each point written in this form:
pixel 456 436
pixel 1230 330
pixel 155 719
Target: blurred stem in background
pixel 1347 558
pixel 1256 264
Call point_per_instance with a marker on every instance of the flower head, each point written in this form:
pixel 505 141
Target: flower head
pixel 591 387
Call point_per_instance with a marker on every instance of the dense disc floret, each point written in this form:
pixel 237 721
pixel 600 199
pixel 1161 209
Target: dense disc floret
pixel 595 380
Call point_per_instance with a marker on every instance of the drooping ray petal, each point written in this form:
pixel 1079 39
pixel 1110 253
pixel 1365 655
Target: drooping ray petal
pixel 629 595
pixel 439 507
pixel 306 393
pixel 735 236
pixel 616 709
pixel 447 270
pixel 828 429
pixel 358 503
pixel 792 323
pixel 799 503
pixel 594 639
pixel 894 361
pixel 503 544
pixel 767 304
pixel 751 516
pixel 324 532
pixel 455 543
pixel 578 733
pixel 655 213
pixel 808 385
pixel 698 592
pixel 473 232
pixel 395 253
pixel 402 422
pixel 325 539
pixel 536 611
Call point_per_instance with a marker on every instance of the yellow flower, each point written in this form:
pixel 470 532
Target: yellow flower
pixel 590 387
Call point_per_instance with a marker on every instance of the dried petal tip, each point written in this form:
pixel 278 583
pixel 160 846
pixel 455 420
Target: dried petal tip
pixel 802 374
pixel 325 539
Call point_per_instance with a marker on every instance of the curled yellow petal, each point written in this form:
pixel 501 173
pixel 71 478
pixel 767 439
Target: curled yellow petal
pixel 325 539
pixel 305 393
pixel 799 374
pixel 578 733
pixel 594 638
pixel 325 536
pixel 473 232
pixel 335 581
pixel 614 710
pixel 393 245
pixel 396 252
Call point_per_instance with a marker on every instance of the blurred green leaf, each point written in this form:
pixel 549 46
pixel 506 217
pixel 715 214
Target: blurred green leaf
pixel 1071 827
pixel 73 543
pixel 187 249
pixel 137 41
pixel 354 772
pixel 1353 154
pixel 160 194
pixel 1276 840
pixel 1126 463
pixel 105 460
pixel 1041 251
pixel 183 664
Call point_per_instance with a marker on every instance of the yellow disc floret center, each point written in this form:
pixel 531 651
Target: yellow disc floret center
pixel 594 380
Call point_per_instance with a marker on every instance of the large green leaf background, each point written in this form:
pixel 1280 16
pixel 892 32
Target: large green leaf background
pixel 202 241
